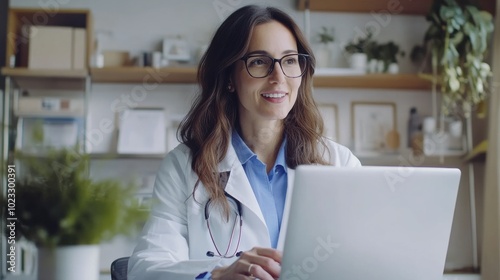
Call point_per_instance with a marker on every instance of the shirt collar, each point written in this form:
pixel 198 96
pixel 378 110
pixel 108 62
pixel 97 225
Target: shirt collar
pixel 242 151
pixel 245 154
pixel 280 159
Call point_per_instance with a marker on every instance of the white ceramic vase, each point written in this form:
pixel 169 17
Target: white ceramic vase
pixel 79 262
pixel 323 56
pixel 393 68
pixel 358 61
pixel 372 66
pixel 380 66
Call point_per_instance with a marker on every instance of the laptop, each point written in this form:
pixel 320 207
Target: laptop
pixel 377 223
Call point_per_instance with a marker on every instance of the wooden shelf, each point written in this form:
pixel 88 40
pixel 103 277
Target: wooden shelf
pixel 420 7
pixel 47 79
pixel 385 81
pixel 143 75
pixel 188 75
pixel 115 156
pixel 44 73
pixel 478 153
pixel 404 157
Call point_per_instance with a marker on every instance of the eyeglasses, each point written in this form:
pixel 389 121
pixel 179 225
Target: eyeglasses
pixel 236 206
pixel 261 65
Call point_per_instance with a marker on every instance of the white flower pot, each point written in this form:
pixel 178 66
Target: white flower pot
pixel 372 65
pixel 380 66
pixel 358 61
pixel 323 56
pixel 80 262
pixel 393 68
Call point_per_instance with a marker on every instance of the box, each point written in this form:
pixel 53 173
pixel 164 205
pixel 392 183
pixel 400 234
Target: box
pixel 50 47
pixel 116 58
pixel 79 48
pixel 50 106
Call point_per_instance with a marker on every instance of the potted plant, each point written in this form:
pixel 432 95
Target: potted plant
pixel 323 54
pixel 357 50
pixel 67 214
pixel 372 50
pixel 457 42
pixel 388 57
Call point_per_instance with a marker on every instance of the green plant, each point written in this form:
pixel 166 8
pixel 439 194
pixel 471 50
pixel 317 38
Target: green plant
pixel 58 204
pixel 359 45
pixel 457 40
pixel 325 36
pixel 388 53
pixel 372 50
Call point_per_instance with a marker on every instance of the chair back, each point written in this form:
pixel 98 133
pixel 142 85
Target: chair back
pixel 119 269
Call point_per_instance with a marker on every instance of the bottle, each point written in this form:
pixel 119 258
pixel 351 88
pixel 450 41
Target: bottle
pixel 413 125
pixel 417 142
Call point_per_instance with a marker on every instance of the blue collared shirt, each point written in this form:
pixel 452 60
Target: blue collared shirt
pixel 269 188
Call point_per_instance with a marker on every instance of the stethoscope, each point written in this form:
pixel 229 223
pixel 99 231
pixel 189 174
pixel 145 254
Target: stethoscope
pixel 236 218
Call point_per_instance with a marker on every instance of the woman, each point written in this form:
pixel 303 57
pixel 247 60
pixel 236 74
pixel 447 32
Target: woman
pixel 220 195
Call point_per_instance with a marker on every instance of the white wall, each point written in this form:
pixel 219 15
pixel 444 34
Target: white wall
pixel 137 26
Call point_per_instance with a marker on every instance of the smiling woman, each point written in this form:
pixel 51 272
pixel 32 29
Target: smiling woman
pixel 253 123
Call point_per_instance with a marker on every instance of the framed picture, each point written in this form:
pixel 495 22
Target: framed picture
pixel 329 113
pixel 371 124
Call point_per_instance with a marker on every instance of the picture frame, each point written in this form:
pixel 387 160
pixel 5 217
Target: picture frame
pixel 372 123
pixel 329 113
pixel 176 49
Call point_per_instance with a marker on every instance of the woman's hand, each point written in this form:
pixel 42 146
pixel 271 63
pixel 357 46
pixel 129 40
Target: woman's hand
pixel 261 263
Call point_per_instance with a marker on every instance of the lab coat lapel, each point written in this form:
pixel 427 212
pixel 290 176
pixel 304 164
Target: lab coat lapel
pixel 238 185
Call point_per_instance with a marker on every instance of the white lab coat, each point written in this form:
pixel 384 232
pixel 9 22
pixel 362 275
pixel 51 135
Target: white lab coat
pixel 175 239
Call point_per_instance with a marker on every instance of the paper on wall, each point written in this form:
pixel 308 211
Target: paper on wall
pixel 142 131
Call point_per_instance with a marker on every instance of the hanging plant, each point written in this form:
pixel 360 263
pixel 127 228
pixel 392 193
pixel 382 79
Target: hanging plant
pixel 457 41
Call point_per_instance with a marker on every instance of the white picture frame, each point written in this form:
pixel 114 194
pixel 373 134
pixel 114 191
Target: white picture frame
pixel 371 122
pixel 329 113
pixel 176 49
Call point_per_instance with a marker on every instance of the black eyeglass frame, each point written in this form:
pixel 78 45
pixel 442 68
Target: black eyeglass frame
pixel 274 60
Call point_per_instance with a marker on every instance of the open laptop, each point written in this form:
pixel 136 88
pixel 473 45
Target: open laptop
pixel 377 223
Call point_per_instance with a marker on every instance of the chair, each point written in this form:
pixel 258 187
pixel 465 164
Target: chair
pixel 119 269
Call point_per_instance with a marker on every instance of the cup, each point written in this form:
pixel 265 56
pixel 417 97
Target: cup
pixel 156 58
pixel 429 125
pixel 456 128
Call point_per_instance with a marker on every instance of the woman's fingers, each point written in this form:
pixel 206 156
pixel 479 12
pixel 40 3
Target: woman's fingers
pixel 266 262
pixel 260 263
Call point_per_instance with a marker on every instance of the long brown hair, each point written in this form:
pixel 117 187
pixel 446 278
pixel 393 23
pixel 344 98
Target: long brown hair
pixel 207 128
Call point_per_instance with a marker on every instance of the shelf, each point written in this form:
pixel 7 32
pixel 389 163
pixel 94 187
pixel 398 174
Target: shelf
pixel 188 75
pixel 144 75
pixel 27 78
pixel 405 158
pixel 184 75
pixel 385 81
pixel 478 153
pixel 420 7
pixel 115 156
pixel 44 73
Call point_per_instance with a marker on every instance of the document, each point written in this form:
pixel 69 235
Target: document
pixel 142 131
